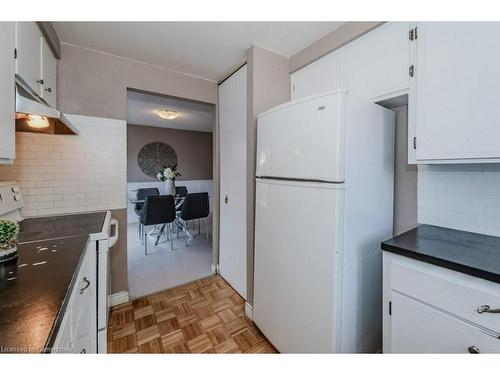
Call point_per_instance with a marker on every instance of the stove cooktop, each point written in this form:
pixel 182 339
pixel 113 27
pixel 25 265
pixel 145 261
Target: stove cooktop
pixel 64 226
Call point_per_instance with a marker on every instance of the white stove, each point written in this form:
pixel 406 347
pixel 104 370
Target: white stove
pixel 99 226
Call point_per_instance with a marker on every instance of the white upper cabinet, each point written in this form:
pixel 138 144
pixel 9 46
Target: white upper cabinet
pixel 317 78
pixel 456 88
pixel 7 93
pixel 372 66
pixel 28 54
pixel 49 74
pixel 376 65
pixel 35 63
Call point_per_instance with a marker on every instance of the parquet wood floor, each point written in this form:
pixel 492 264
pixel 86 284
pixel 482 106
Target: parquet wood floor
pixel 205 316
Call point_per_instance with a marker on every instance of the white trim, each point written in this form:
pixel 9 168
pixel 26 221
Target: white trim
pixel 215 269
pixel 118 298
pixel 249 311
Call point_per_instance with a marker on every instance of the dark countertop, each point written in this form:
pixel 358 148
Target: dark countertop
pixel 61 226
pixel 471 253
pixel 34 292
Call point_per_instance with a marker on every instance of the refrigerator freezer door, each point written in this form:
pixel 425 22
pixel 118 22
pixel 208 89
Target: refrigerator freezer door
pixel 303 139
pixel 297 275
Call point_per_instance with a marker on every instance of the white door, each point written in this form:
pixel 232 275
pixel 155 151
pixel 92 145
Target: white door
pixel 291 136
pixel 7 93
pixel 420 328
pixel 297 277
pixel 49 74
pixel 457 86
pixel 28 54
pixel 233 175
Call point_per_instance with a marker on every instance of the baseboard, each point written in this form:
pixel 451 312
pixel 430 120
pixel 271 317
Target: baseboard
pixel 215 269
pixel 118 298
pixel 249 311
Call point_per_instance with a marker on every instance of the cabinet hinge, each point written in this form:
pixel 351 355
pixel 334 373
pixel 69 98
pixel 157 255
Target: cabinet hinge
pixel 411 70
pixel 415 143
pixel 413 34
pixel 15 53
pixel 390 307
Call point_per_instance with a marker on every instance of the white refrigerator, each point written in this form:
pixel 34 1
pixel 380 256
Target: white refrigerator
pixel 324 202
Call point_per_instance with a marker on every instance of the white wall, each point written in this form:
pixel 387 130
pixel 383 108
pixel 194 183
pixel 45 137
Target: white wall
pixel 193 186
pixel 465 197
pixel 66 173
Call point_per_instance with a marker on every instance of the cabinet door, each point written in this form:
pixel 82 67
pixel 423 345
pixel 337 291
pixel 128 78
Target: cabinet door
pixel 377 63
pixel 84 306
pixel 7 93
pixel 49 74
pixel 318 77
pixel 28 54
pixel 233 169
pixel 457 85
pixel 420 328
pixel 85 334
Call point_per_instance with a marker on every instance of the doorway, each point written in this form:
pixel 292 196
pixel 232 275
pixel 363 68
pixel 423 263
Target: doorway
pixel 176 133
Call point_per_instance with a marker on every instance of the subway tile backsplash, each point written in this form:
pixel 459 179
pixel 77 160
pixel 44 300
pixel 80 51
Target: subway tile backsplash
pixel 67 173
pixel 461 196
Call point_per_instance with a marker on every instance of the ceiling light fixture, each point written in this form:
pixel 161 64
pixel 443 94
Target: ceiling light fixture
pixel 168 114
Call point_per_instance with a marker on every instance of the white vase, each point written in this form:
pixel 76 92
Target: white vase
pixel 170 187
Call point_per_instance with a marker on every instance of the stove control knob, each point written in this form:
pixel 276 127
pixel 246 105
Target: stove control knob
pixel 17 197
pixel 15 189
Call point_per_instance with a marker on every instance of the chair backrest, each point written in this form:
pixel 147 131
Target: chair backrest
pixel 141 194
pixel 195 206
pixel 159 209
pixel 181 191
pixel 146 192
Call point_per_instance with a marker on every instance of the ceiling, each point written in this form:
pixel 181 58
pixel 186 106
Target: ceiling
pixel 210 50
pixel 142 110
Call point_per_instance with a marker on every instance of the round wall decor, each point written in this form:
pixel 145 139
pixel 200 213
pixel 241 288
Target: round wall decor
pixel 154 156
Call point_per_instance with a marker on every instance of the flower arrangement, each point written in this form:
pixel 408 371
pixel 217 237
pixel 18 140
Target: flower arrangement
pixel 168 173
pixel 8 239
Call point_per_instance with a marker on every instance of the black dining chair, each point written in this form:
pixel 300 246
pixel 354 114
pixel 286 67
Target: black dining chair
pixel 141 195
pixel 158 210
pixel 181 191
pixel 195 206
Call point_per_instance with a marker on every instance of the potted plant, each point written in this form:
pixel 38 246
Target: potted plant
pixel 8 240
pixel 168 175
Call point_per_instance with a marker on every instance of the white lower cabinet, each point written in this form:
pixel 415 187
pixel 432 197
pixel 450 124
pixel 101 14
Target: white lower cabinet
pixel 420 328
pixel 78 330
pixel 430 309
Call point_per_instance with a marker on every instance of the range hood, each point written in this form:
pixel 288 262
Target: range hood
pixel 34 115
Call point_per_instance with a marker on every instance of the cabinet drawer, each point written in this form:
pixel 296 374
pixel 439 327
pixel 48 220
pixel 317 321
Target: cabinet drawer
pixel 419 328
pixel 431 286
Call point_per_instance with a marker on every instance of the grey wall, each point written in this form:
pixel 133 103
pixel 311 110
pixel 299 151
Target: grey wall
pixel 92 83
pixel 268 86
pixel 118 254
pixel 405 178
pixel 95 84
pixel 194 151
pixel 336 39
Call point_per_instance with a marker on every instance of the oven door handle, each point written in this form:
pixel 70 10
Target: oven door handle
pixel 113 239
